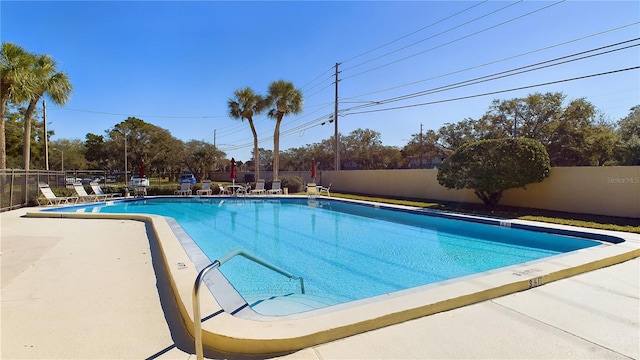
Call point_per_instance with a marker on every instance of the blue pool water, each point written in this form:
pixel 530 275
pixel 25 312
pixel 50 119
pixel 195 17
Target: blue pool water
pixel 343 251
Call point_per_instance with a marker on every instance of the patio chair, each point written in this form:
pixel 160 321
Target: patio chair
pixel 275 187
pixel 51 199
pixel 206 188
pixel 244 190
pixel 95 187
pixel 84 196
pixel 322 189
pixel 140 190
pixel 312 189
pixel 259 187
pixel 222 190
pixel 185 189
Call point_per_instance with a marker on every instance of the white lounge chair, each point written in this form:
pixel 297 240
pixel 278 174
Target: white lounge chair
pixel 185 189
pixel 98 191
pixel 275 187
pixel 51 199
pixel 322 189
pixel 206 188
pixel 259 187
pixel 84 196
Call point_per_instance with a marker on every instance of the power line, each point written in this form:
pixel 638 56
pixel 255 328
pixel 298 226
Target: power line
pixel 144 116
pixel 327 118
pixel 315 122
pixel 503 74
pixel 433 36
pixel 299 128
pixel 495 92
pixel 453 41
pixel 415 32
pixel 494 62
pixel 320 121
pixel 314 79
pixel 548 63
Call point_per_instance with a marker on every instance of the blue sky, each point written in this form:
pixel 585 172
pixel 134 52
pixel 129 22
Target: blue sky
pixel 175 64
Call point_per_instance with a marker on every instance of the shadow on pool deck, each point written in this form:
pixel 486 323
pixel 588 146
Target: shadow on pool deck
pixel 82 289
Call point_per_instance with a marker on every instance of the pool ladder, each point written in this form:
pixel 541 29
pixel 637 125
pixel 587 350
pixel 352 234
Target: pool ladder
pixel 197 319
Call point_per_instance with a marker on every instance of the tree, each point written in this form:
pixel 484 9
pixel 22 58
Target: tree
pixel 266 158
pixel 387 157
pixel 50 82
pixel 146 142
pixel 246 104
pixel 294 158
pixel 574 135
pixel 629 137
pixel 199 156
pixel 529 117
pixel 363 146
pixel 570 142
pixel 73 152
pixel 425 148
pixel 13 138
pixel 287 100
pixel 453 136
pixel 15 79
pixel 601 143
pixel 324 153
pixel 97 154
pixel 489 167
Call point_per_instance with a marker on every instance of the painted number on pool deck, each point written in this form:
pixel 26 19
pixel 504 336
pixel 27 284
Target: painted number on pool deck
pixel 535 282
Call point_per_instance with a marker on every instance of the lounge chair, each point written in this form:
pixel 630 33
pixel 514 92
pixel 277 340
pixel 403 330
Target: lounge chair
pixel 51 199
pixel 275 187
pixel 98 191
pixel 322 189
pixel 206 188
pixel 84 196
pixel 185 189
pixel 259 187
pixel 312 189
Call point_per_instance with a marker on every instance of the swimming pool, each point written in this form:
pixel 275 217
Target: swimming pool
pixel 238 328
pixel 343 251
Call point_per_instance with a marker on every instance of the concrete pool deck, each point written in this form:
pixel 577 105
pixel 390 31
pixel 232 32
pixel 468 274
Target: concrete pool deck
pixel 88 289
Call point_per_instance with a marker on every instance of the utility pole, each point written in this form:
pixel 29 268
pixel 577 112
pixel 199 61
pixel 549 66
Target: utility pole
pixel 214 137
pixel 421 166
pixel 46 142
pixel 335 124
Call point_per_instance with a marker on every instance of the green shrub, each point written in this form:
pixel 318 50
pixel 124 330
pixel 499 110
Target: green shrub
pixel 293 183
pixel 489 167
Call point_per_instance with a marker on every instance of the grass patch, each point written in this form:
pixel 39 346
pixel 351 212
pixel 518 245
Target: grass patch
pixel 631 225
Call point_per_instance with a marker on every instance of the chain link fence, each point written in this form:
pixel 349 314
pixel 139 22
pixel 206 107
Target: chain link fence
pixel 19 188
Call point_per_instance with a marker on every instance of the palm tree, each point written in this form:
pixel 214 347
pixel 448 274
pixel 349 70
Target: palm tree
pixel 54 84
pixel 286 100
pixel 246 104
pixel 15 80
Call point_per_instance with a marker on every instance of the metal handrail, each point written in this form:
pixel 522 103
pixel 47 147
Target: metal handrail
pixel 262 262
pixel 197 319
